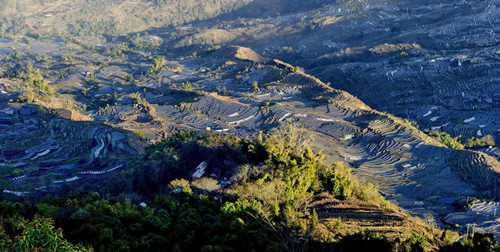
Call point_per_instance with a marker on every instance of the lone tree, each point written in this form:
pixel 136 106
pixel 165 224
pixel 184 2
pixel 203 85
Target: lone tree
pixel 255 86
pixel 158 65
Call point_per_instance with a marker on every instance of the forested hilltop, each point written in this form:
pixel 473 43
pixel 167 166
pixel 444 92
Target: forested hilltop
pixel 280 196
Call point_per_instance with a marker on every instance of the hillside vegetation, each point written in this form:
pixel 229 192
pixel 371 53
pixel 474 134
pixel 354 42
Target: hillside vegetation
pixel 95 18
pixel 40 18
pixel 253 125
pixel 282 201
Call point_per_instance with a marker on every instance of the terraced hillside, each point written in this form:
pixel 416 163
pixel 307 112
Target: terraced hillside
pixel 232 90
pixel 405 57
pixel 432 62
pixel 355 215
pixel 75 110
pixel 42 150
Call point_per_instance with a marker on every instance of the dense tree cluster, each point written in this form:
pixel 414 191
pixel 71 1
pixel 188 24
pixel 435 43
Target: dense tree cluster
pixel 265 209
pixel 460 143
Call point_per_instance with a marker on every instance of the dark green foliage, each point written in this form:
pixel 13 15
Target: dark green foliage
pixel 138 43
pixel 267 211
pixel 480 243
pixel 314 219
pixel 276 189
pixel 36 86
pixel 416 243
pixel 178 155
pixel 158 65
pixel 460 143
pixel 292 159
pixel 12 26
pixel 483 141
pixel 34 78
pixel 90 77
pixel 365 241
pixel 449 141
pixel 179 223
pixel 255 86
pixel 105 100
pixel 129 78
pixel 85 28
pixel 40 235
pixel 337 180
